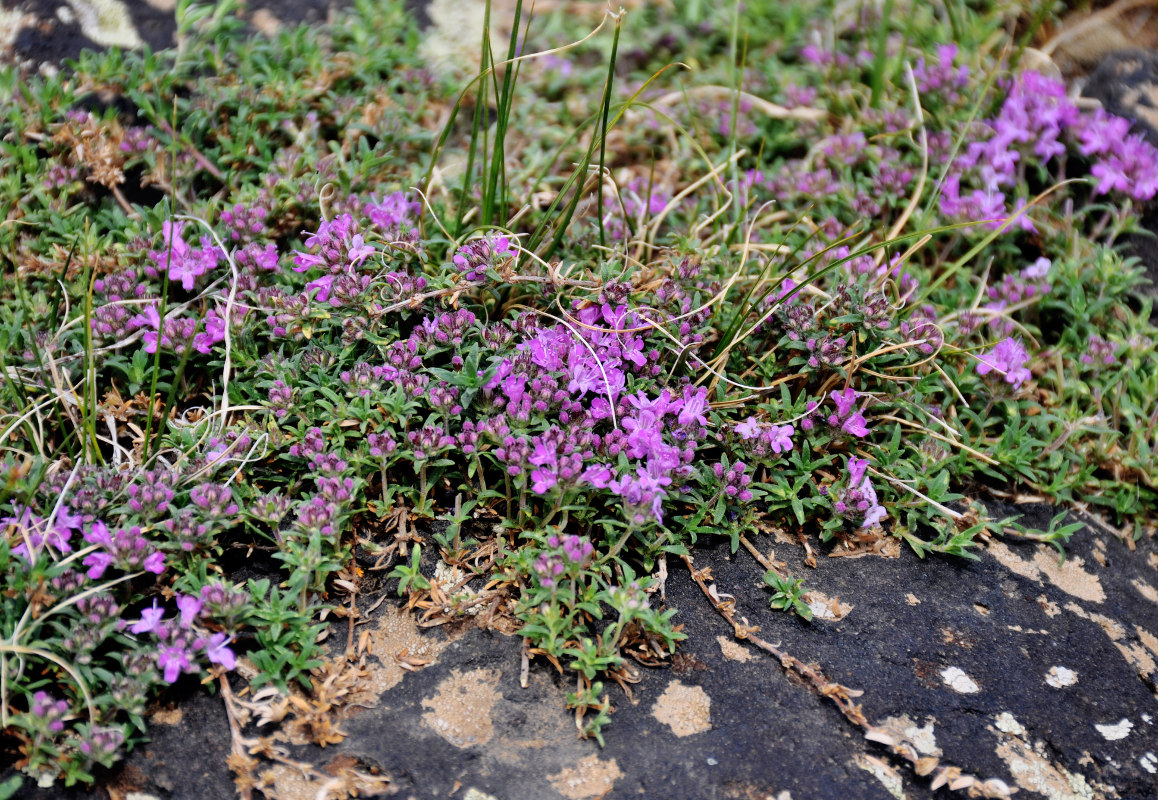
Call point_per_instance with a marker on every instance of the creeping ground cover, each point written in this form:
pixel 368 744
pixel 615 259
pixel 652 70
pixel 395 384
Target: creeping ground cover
pixel 281 316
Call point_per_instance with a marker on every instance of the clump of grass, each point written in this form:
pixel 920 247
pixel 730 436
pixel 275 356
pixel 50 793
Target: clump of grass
pixel 689 312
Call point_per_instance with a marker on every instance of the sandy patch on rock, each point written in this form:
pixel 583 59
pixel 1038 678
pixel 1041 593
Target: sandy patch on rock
pixel 167 716
pixel 1069 576
pixel 590 777
pixel 264 20
pixel 1146 590
pixel 397 640
pixel 288 783
pixel 1050 608
pixel 460 711
pixel 733 650
pixel 1140 655
pixel 544 726
pixel 687 710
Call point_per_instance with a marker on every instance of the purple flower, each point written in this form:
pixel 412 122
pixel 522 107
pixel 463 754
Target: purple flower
pixel 1038 269
pixel 844 401
pixel 185 263
pixel 780 438
pixel 695 406
pixel 748 429
pixel 31 530
pixel 189 607
pixel 1007 358
pixel 856 470
pixel 154 562
pixel 598 476
pixel 149 621
pixel 173 659
pixel 217 651
pixel 97 563
pixel 359 251
pixel 855 425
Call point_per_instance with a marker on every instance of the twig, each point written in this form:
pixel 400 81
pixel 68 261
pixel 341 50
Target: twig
pixel 952 777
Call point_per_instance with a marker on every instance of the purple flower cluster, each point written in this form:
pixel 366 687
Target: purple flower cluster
pixel 28 529
pixel 941 78
pixel 566 556
pixel 733 480
pixel 124 548
pixel 99 616
pixel 183 262
pixel 214 501
pixel 475 257
pixel 394 215
pixel 1032 126
pixel 848 418
pixel 429 441
pixel 857 500
pixel 338 245
pixel 382 445
pixel 245 223
pixel 49 711
pixel 922 326
pixel 180 641
pixel 557 459
pixel 1016 288
pixel 315 515
pixel 151 495
pixel 187 530
pixel 270 508
pixel 176 333
pixel 112 316
pixel 1123 162
pixel 1099 351
pixel 281 398
pixel 761 439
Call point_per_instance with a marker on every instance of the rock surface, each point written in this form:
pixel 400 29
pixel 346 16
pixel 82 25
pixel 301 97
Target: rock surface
pixel 1015 668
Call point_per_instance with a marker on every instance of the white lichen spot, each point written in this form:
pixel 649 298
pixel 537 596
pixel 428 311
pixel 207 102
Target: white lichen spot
pixel 825 607
pixel 1149 720
pixel 923 739
pixel 477 794
pixel 956 679
pixel 1061 677
pixel 1007 723
pixel 1119 730
pixel 1032 770
pixel 1149 762
pixel 107 22
pixel 884 772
